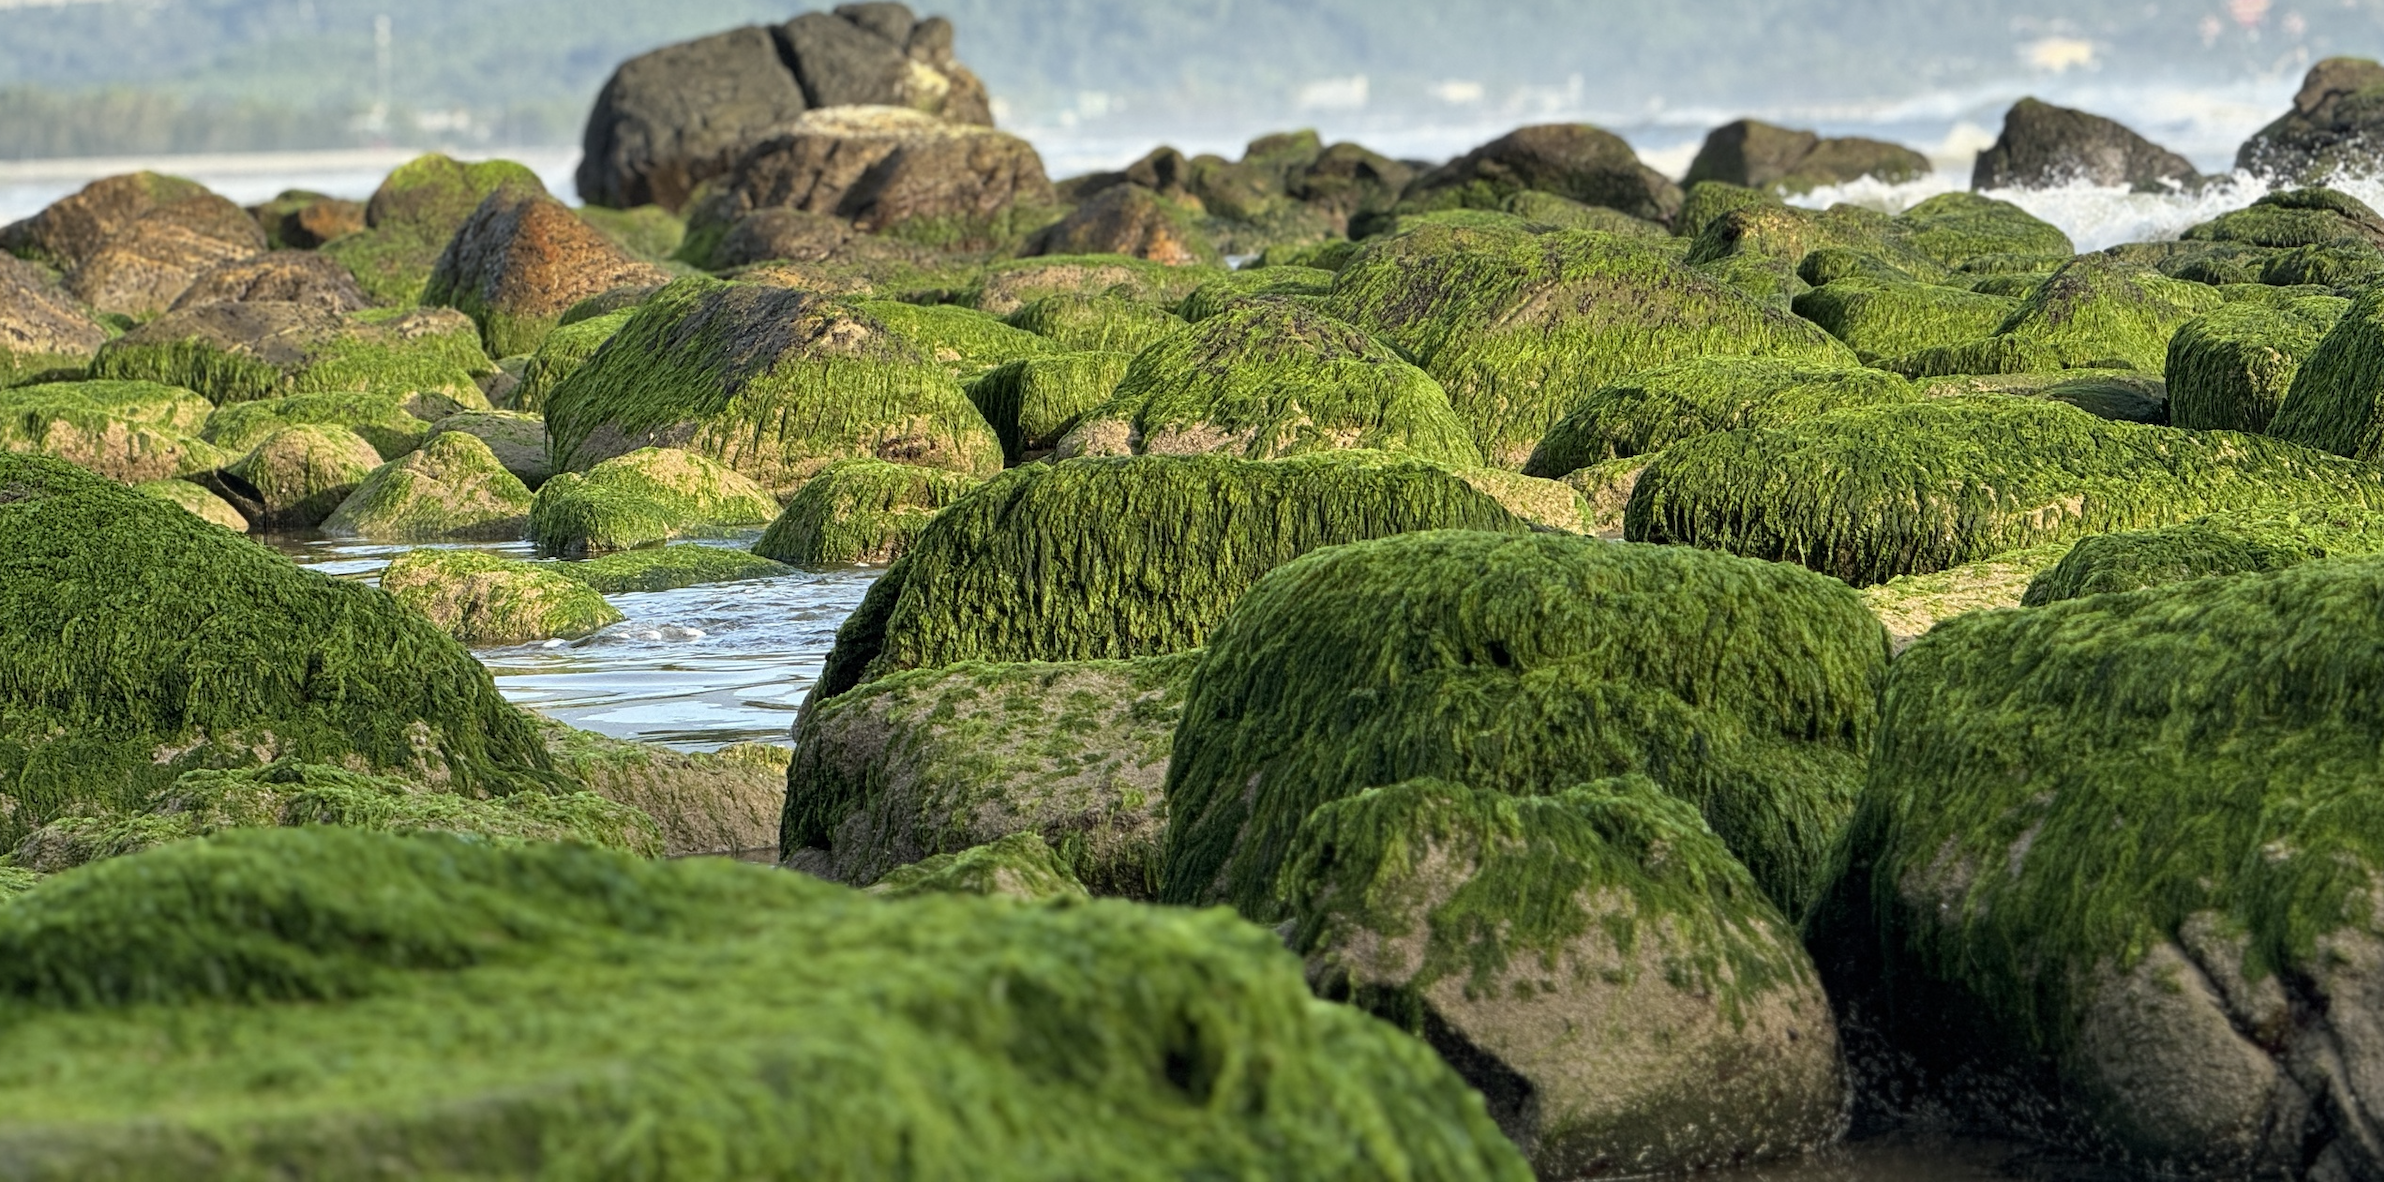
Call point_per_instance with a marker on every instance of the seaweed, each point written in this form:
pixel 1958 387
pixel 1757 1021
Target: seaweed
pixel 453 489
pixel 1882 320
pixel 643 498
pixel 491 602
pixel 2096 312
pixel 1102 323
pixel 1019 866
pixel 859 512
pixel 1656 409
pixel 1954 228
pixel 380 419
pixel 2219 544
pixel 2230 370
pixel 1033 402
pixel 668 568
pixel 964 341
pixel 561 354
pixel 2336 400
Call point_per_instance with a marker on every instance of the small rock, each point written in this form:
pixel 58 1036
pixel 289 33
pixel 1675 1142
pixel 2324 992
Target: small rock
pixel 487 601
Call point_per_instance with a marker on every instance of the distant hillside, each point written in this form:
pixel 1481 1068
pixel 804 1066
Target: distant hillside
pixel 79 76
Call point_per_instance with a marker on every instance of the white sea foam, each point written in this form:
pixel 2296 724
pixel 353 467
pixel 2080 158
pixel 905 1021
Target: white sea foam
pixel 2093 216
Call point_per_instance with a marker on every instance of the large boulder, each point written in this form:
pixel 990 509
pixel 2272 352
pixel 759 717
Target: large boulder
pixel 1083 560
pixel 1267 379
pixel 936 761
pixel 451 490
pixel 1034 402
pixel 520 261
pixel 1757 155
pixel 1519 327
pixel 775 382
pixel 1870 493
pixel 2231 369
pixel 196 501
pixel 413 214
pixel 143 268
pixel 1593 960
pixel 282 276
pixel 2336 400
pixel 1957 228
pixel 2111 883
pixel 43 332
pixel 2046 147
pixel 221 654
pixel 1517 665
pixel 1127 220
pixel 381 419
pixel 1574 160
pixel 668 120
pixel 791 1028
pixel 1648 412
pixel 642 498
pixel 128 431
pixel 2336 127
pixel 73 228
pixel 2220 544
pixel 247 352
pixel 1883 320
pixel 2096 312
pixel 1105 323
pixel 704 802
pixel 517 440
pixel 487 601
pixel 859 512
pixel 966 342
pixel 560 355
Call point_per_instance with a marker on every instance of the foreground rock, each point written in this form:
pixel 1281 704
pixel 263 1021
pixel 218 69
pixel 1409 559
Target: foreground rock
pixel 935 761
pixel 2336 127
pixel 1997 942
pixel 242 352
pixel 1594 960
pixel 520 261
pixel 2333 403
pixel 831 1031
pixel 707 802
pixel 127 431
pixel 1757 155
pixel 491 602
pixel 2231 370
pixel 2046 147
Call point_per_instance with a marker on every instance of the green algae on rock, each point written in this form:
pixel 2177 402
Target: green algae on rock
pixel 1033 402
pixel 668 568
pixel 702 802
pixel 1598 947
pixel 1954 228
pixel 697 1018
pixel 1020 866
pixel 2289 218
pixel 413 215
pixel 451 490
pixel 1651 411
pixel 2336 400
pixel 522 259
pixel 2096 312
pixel 773 382
pixel 1101 323
pixel 1910 605
pixel 1515 664
pixel 1005 287
pixel 1519 327
pixel 126 431
pixel 2230 370
pixel 297 476
pixel 561 354
pixel 645 497
pixel 1884 320
pixel 144 642
pixel 517 440
pixel 243 352
pixel 1216 296
pixel 195 500
pixel 964 341
pixel 2121 395
pixel 1083 559
pixel 1871 493
pixel 2220 544
pixel 1270 378
pixel 2113 873
pixel 859 512
pixel 380 419
pixel 491 602
pixel 935 761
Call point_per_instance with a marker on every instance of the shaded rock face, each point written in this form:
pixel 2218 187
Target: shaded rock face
pixel 2044 146
pixel 1758 155
pixel 520 261
pixel 2336 126
pixel 142 269
pixel 40 326
pixel 1574 160
pixel 1128 220
pixel 302 220
pixel 279 276
pixel 671 119
pixel 882 166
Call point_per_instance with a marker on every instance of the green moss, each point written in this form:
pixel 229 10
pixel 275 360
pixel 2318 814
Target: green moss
pixel 2122 395
pixel 128 431
pixel 933 762
pixel 561 354
pixel 410 218
pixel 668 568
pixel 2220 544
pixel 2229 370
pixel 1097 323
pixel 1006 287
pixel 247 352
pixel 774 382
pixel 1654 410
pixel 1910 605
pixel 1871 493
pixel 1954 228
pixel 141 642
pixel 1519 328
pixel 490 602
pixel 14 882
pixel 964 341
pixel 2095 313
pixel 1219 295
pixel 1019 866
pixel 1323 256
pixel 454 489
pixel 1885 320
pixel 297 476
pixel 647 232
pixel 859 512
pixel 380 419
pixel 196 501
pixel 1773 239
pixel 1032 403
pixel 1083 560
pixel 2336 400
pixel 2352 263
pixel 1267 379
pixel 705 802
pixel 2293 218
pixel 643 498
pixel 1520 665
pixel 460 1009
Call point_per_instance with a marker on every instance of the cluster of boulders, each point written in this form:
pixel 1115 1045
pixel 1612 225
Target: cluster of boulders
pixel 1681 672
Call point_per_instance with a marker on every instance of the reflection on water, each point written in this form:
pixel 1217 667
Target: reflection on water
pixel 697 669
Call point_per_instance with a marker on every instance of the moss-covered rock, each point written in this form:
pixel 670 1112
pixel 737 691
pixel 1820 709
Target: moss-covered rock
pixel 1004 288
pixel 2220 544
pixel 773 382
pixel 245 352
pixel 143 268
pixel 1871 493
pixel 2097 312
pixel 1954 228
pixel 143 642
pixel 75 226
pixel 127 431
pixel 702 802
pixel 1083 560
pixel 2132 946
pixel 561 354
pixel 933 762
pixel 648 496
pixel 1101 323
pixel 1910 605
pixel 452 490
pixel 195 500
pixel 2229 370
pixel 2121 395
pixel 1519 327
pixel 1271 378
pixel 517 440
pixel 859 512
pixel 668 568
pixel 291 792
pixel 282 276
pixel 2336 400
pixel 1547 504
pixel 1217 296
pixel 647 232
pixel 1020 866
pixel 1762 248
pixel 1886 320
pixel 1707 200
pixel 379 419
pixel 520 261
pixel 490 602
pixel 412 216
pixel 43 331
pixel 300 219
pixel 2292 218
pixel 1514 664
pixel 964 341
pixel 1034 402
pixel 1654 410
pixel 699 1016
pixel 1597 946
pixel 296 477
